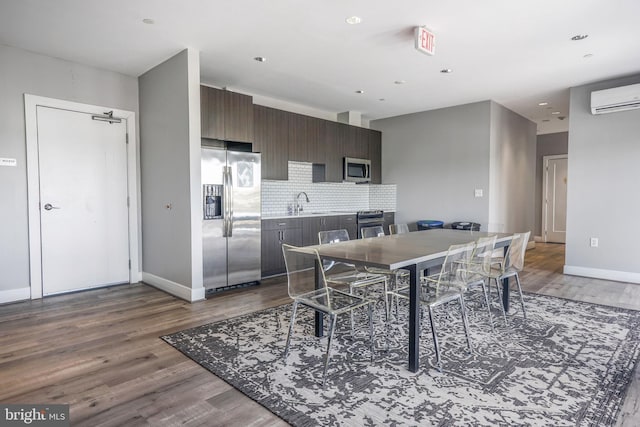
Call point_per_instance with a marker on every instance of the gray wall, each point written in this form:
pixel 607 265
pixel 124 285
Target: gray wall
pixel 437 159
pixel 603 196
pixel 25 72
pixel 548 145
pixel 512 171
pixel 165 151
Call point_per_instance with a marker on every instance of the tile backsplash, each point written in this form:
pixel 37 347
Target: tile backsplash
pixel 324 196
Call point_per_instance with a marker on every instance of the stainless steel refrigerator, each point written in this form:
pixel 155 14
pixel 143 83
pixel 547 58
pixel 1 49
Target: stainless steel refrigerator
pixel 231 217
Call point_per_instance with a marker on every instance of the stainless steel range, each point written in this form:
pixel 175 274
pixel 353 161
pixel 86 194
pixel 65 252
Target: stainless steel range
pixel 371 218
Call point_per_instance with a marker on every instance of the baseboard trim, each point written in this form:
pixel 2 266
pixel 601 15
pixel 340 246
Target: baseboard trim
pixel 15 295
pixel 173 288
pixel 597 273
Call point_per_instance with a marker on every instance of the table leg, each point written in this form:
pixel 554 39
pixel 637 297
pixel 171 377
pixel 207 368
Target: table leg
pixel 319 329
pixel 505 286
pixel 414 319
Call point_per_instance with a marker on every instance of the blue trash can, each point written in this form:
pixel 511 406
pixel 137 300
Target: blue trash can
pixel 429 224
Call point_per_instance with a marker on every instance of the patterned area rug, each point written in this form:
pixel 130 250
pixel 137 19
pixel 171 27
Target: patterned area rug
pixel 570 363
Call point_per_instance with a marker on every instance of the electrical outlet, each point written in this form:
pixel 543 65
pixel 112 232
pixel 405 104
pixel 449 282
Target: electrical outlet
pixel 594 242
pixel 478 192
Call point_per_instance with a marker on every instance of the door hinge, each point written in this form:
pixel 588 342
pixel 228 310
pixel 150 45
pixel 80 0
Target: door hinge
pixel 129 264
pixel 126 138
pixel 127 201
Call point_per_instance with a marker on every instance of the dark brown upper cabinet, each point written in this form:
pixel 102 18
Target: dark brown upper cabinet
pixel 331 147
pixel 226 115
pixel 304 136
pixel 375 155
pixel 271 138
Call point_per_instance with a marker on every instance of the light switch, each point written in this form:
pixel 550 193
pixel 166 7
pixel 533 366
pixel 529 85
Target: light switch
pixel 8 162
pixel 594 242
pixel 478 192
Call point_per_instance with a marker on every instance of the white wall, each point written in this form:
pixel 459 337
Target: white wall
pixel 437 159
pixel 170 173
pixel 512 171
pixel 26 72
pixel 603 188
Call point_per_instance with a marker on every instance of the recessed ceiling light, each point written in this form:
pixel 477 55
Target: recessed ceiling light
pixel 588 55
pixel 353 20
pixel 359 91
pixel 542 104
pixel 260 59
pixel 148 21
pixel 556 112
pixel 579 37
pixel 400 82
pixel 381 99
pixel 446 71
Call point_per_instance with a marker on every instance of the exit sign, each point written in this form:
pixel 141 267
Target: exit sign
pixel 425 41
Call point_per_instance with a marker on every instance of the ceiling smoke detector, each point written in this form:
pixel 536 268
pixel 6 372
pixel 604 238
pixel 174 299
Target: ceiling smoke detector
pixel 260 59
pixel 353 20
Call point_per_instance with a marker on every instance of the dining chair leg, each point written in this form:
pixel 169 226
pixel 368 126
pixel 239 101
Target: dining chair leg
pixel 435 339
pixel 291 323
pixel 332 327
pixel 370 310
pixel 500 303
pixel 465 323
pixel 524 313
pixel 486 300
pixel 386 297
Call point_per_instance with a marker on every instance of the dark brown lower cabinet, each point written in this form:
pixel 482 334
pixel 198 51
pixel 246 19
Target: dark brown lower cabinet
pixel 349 223
pixel 275 232
pixel 311 227
pixel 389 218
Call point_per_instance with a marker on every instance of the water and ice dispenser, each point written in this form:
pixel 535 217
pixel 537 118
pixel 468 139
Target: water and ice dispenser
pixel 212 201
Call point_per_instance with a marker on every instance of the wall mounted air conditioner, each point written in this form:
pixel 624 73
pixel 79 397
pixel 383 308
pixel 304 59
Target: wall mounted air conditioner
pixel 615 99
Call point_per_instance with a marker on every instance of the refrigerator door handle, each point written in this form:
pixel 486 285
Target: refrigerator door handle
pixel 230 185
pixel 225 222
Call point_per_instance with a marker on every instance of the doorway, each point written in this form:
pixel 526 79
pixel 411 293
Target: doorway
pixel 82 196
pixel 554 199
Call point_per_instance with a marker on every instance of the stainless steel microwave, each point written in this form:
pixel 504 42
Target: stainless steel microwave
pixel 357 170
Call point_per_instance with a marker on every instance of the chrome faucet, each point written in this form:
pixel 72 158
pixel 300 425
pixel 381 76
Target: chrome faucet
pixel 298 207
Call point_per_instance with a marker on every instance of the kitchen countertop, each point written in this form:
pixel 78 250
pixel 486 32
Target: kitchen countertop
pixel 311 214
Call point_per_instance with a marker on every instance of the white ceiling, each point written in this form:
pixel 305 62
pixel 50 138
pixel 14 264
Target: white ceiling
pixel 517 53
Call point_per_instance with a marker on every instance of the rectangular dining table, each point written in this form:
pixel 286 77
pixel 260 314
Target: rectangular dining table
pixel 415 252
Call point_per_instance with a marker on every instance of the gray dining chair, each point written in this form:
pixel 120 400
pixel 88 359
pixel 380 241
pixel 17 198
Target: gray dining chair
pixel 301 286
pixel 398 228
pixel 395 277
pixel 477 270
pixel 445 287
pixel 510 266
pixel 342 274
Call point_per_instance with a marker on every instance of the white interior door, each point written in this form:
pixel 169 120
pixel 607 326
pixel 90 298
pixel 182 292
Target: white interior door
pixel 83 201
pixel 555 199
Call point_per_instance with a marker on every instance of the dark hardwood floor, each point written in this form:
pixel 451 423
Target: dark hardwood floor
pixel 99 350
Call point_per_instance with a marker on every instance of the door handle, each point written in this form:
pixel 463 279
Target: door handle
pixel 49 206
